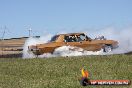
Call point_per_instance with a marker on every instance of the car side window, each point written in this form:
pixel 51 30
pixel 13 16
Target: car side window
pixel 70 38
pixel 81 37
pixel 54 38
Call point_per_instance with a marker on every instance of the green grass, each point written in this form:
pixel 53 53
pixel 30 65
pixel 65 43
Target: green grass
pixel 63 72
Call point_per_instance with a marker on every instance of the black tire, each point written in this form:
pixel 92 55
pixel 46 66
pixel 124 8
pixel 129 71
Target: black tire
pixel 107 48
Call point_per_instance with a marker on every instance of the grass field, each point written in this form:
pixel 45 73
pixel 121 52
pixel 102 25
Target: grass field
pixel 63 72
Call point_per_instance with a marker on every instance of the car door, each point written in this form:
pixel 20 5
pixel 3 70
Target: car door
pixel 82 41
pixel 88 44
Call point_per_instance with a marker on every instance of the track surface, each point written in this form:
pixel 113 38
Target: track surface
pixel 20 55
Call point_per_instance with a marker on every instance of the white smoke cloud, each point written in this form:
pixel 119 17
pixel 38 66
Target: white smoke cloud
pixel 75 51
pixel 34 41
pixel 123 36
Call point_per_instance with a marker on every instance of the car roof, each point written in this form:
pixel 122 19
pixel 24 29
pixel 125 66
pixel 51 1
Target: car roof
pixel 71 34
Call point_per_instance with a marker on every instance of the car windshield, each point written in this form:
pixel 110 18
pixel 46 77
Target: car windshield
pixel 54 38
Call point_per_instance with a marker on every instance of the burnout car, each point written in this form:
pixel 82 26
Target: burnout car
pixel 79 40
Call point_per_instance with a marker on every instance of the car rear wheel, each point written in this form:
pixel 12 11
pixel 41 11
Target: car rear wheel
pixel 107 48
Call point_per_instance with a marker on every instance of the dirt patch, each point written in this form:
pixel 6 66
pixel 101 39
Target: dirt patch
pixel 11 48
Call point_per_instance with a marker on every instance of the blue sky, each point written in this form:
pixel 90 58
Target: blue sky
pixel 54 16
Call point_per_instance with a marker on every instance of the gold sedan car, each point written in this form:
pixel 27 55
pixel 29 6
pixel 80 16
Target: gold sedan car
pixel 76 40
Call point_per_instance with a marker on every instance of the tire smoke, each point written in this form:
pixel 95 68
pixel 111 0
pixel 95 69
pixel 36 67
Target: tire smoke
pixel 122 36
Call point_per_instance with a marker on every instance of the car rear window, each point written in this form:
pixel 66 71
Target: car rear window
pixel 54 38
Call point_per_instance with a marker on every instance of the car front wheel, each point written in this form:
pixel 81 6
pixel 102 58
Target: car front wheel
pixel 107 48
